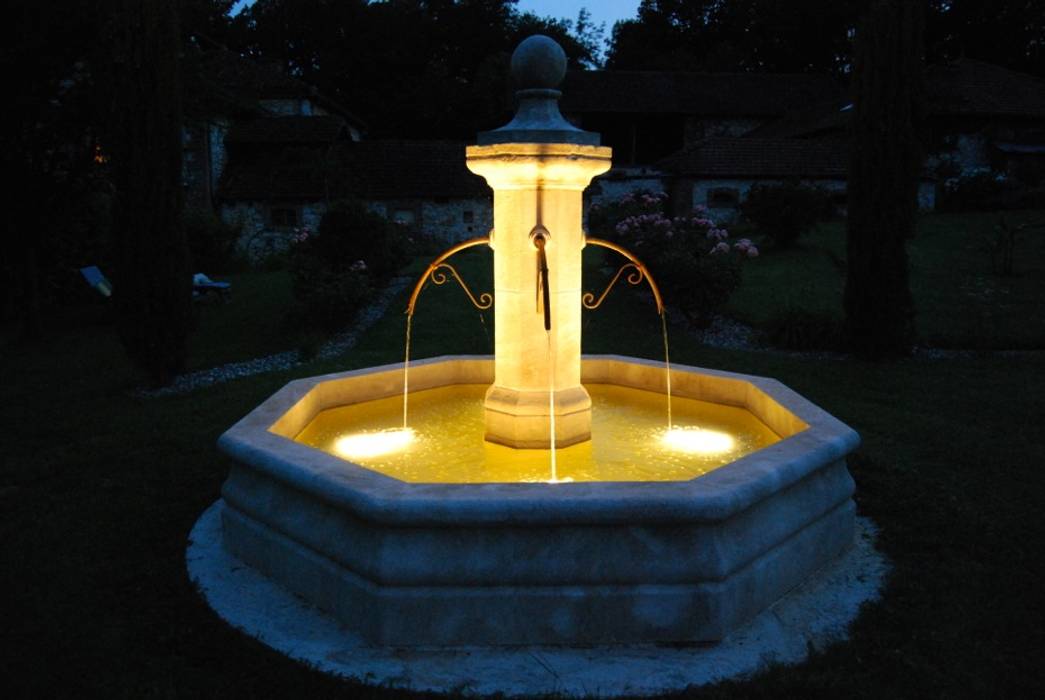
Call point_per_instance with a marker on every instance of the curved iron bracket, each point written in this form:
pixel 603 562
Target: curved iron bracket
pixel 634 278
pixel 638 273
pixel 485 300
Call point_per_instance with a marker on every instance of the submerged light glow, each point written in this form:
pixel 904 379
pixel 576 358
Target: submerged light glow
pixel 698 441
pixel 363 445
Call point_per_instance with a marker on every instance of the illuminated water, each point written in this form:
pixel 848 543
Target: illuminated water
pixel 445 441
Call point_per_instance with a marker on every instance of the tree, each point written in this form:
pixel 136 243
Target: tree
pixel 883 178
pixel 151 277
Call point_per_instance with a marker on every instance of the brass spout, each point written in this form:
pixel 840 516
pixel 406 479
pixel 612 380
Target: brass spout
pixel 485 300
pixel 639 272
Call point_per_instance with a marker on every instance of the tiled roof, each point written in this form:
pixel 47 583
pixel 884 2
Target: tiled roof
pixel 288 130
pixel 373 170
pixel 962 88
pixel 976 88
pixel 760 157
pixel 698 94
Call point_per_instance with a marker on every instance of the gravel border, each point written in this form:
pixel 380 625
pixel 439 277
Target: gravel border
pixel 336 346
pixel 813 616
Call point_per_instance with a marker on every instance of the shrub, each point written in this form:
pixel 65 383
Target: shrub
pixel 326 298
pixel 690 257
pixel 212 242
pixel 335 269
pixel 350 232
pixel 784 212
pixel 976 189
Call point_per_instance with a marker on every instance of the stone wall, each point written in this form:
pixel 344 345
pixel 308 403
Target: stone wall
pixel 259 238
pixel 621 181
pixel 450 220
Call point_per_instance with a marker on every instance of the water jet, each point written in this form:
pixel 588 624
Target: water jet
pixel 539 496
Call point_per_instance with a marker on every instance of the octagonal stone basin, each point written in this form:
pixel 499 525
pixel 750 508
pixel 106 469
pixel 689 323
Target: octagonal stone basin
pixel 448 564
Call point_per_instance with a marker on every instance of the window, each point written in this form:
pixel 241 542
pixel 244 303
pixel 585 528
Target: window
pixel 284 217
pixel 469 216
pixel 723 198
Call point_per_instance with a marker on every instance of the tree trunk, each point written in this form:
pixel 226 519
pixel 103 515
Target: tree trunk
pixel 151 280
pixel 884 168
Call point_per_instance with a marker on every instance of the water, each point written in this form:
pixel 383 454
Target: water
pixel 667 363
pixel 628 438
pixel 406 368
pixel 551 408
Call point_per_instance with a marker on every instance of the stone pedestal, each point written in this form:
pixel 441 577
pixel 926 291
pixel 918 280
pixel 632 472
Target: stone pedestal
pixel 537 183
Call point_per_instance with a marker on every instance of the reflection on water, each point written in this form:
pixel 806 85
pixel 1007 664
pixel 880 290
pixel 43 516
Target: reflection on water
pixel 629 439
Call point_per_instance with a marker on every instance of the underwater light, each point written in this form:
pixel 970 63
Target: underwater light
pixel 698 441
pixel 363 445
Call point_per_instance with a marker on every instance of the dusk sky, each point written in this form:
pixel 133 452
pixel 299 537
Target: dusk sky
pixel 608 11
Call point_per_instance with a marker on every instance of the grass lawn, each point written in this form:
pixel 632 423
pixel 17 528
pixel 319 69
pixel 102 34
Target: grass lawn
pixel 959 301
pixel 100 488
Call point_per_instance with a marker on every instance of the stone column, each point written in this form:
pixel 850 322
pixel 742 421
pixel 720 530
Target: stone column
pixel 538 166
pixel 537 183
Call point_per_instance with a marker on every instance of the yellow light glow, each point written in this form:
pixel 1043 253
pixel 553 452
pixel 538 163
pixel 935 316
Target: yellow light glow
pixel 698 441
pixel 363 445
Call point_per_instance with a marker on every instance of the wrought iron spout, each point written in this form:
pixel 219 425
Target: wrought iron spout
pixel 485 300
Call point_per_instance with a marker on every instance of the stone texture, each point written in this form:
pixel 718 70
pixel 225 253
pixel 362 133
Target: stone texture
pixel 491 564
pixel 537 184
pixel 811 617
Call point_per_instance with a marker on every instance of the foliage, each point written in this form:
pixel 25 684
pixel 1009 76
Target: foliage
pixel 691 258
pixel 883 178
pixel 976 189
pixel 446 62
pixel 814 35
pixel 350 232
pixel 785 211
pixel 212 242
pixel 335 269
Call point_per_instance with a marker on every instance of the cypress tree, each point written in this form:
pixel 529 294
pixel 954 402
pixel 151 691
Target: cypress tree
pixel 884 167
pixel 152 287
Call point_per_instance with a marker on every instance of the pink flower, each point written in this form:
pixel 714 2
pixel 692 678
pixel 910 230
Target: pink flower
pixel 752 252
pixel 720 248
pixel 357 266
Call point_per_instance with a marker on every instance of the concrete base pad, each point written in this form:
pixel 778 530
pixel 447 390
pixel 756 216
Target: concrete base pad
pixel 815 614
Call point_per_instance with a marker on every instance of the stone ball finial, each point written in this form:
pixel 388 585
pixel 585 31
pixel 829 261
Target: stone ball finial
pixel 538 63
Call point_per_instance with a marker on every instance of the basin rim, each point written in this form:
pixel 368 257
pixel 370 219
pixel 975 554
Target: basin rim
pixel 714 497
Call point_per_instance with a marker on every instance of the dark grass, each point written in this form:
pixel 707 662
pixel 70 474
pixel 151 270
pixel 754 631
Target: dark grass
pixel 100 490
pixel 960 302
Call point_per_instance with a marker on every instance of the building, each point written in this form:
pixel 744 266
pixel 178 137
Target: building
pixel 272 188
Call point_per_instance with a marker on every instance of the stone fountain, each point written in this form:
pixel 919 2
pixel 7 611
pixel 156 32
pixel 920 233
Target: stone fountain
pixel 647 554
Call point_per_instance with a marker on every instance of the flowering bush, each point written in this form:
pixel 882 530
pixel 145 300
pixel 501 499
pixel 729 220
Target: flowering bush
pixel 693 259
pixel 335 269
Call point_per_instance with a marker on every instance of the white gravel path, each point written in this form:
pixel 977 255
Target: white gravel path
pixel 814 615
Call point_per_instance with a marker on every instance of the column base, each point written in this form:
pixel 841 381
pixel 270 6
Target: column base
pixel 521 419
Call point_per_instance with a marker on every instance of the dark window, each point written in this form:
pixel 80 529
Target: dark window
pixel 469 217
pixel 723 198
pixel 284 217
